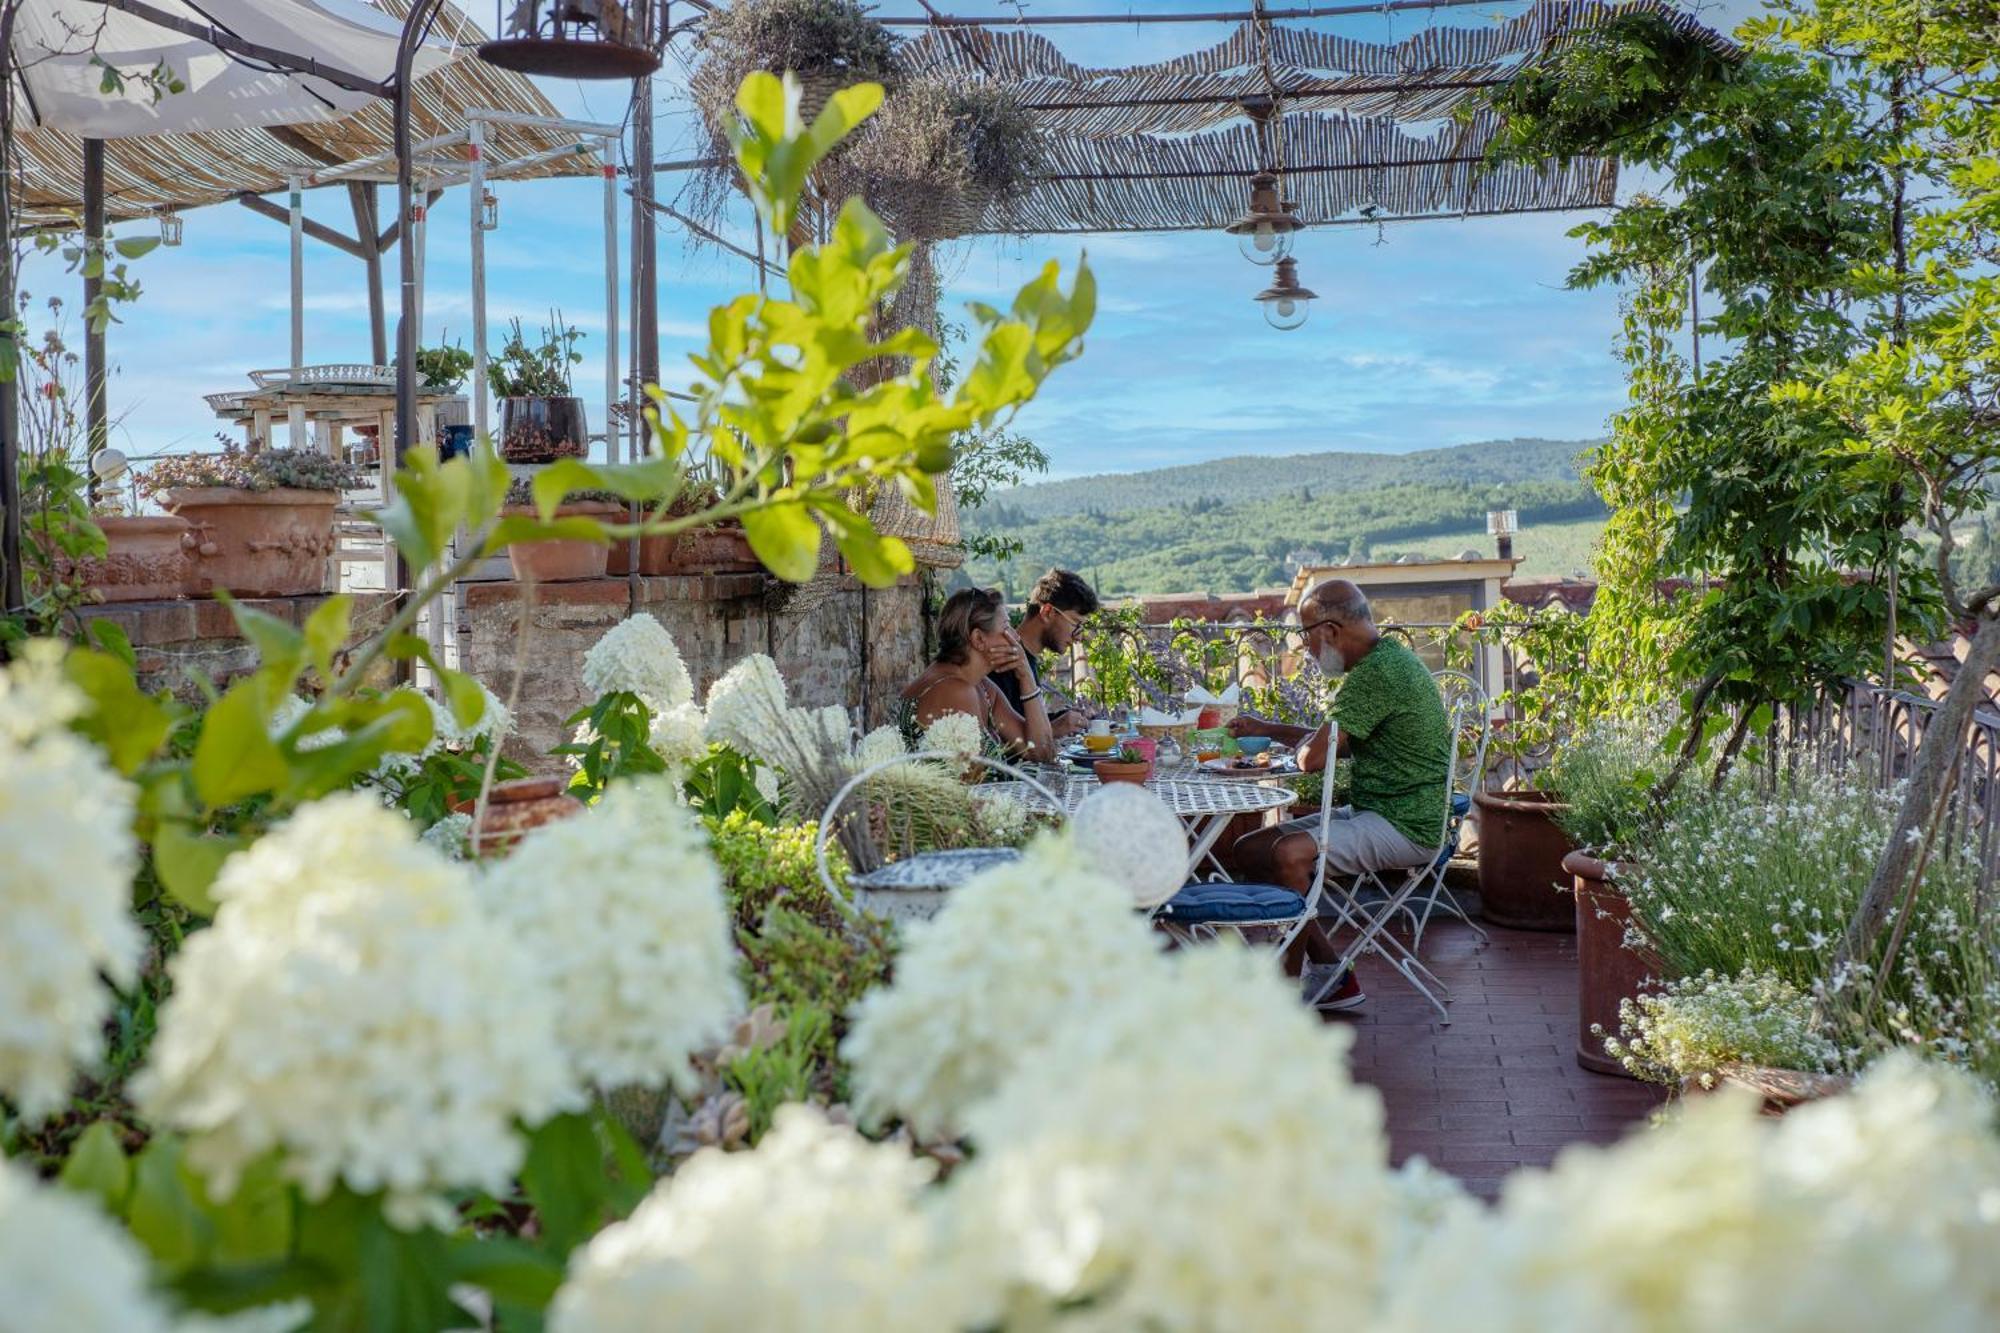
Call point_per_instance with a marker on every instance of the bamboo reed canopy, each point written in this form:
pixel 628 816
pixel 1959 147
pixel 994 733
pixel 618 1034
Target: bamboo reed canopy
pixel 1358 131
pixel 150 175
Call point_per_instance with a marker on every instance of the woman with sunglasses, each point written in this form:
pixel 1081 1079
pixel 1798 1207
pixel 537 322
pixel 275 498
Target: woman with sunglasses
pixel 975 640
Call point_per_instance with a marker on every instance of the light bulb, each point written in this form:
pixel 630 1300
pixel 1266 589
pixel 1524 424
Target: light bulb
pixel 1266 238
pixel 1287 308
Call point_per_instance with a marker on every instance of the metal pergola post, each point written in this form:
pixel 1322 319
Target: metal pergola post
pixel 295 414
pixel 611 271
pixel 13 595
pixel 475 151
pixel 97 410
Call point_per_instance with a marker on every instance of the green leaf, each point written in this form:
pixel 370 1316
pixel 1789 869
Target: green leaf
pixel 522 529
pixel 130 725
pixel 96 1165
pixel 135 247
pixel 462 693
pixel 326 632
pixel 163 1211
pixel 188 863
pixel 235 756
pixel 279 646
pixel 785 538
pixel 112 638
pixel 564 1179
pixel 651 480
pixel 513 1272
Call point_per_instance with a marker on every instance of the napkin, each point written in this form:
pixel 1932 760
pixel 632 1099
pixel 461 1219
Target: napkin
pixel 1153 717
pixel 1198 695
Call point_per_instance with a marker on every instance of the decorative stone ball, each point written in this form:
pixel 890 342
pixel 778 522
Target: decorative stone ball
pixel 1128 835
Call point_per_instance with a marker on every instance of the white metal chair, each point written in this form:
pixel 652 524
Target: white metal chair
pixel 890 875
pixel 1368 902
pixel 1203 909
pixel 1470 712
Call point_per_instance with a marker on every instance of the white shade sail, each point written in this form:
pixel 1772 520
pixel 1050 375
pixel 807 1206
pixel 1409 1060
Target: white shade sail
pixel 64 48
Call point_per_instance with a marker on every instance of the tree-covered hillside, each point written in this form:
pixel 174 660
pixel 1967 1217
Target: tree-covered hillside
pixel 1232 525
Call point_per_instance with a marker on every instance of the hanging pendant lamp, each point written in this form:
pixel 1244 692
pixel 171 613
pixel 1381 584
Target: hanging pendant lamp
pixel 571 39
pixel 1265 232
pixel 1285 302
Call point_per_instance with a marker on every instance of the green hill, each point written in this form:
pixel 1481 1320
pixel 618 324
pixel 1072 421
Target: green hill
pixel 1229 525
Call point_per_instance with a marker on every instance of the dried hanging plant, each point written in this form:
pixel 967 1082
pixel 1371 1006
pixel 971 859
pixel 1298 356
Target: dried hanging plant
pixel 827 44
pixel 942 153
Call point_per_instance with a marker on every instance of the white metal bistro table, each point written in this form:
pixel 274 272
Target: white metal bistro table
pixel 1204 804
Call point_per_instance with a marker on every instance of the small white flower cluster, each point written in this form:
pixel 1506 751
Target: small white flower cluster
pixel 67 858
pixel 635 945
pixel 355 1005
pixel 953 733
pixel 64 1265
pixel 1875 1209
pixel 494 723
pixel 638 656
pixel 816 1231
pixel 1696 1025
pixel 879 747
pixel 680 735
pixel 747 707
pixel 1018 953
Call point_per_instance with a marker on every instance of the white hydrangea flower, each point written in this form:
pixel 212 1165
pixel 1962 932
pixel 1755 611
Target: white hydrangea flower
pixel 629 928
pixel 495 722
pixel 747 707
pixel 1130 836
pixel 953 733
pixel 1017 953
pixel 1186 1154
pixel 817 1230
pixel 638 655
pixel 355 1005
pixel 65 1266
pixel 35 696
pixel 451 835
pixel 1874 1209
pixel 878 747
pixel 67 859
pixel 680 735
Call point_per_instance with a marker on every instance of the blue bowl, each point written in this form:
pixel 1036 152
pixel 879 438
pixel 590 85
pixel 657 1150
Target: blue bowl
pixel 1253 745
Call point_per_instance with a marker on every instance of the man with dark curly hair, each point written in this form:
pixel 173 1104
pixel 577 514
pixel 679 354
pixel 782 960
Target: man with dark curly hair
pixel 1057 607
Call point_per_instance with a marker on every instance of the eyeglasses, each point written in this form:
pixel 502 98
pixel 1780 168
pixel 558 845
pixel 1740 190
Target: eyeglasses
pixel 1307 629
pixel 1069 618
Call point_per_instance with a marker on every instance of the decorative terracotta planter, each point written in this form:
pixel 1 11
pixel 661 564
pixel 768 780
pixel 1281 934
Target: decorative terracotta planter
pixel 1606 971
pixel 1109 771
pixel 150 559
pixel 723 550
pixel 275 543
pixel 1521 851
pixel 515 809
pixel 541 430
pixel 1780 1089
pixel 562 561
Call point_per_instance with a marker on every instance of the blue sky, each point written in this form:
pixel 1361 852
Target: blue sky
pixel 1436 333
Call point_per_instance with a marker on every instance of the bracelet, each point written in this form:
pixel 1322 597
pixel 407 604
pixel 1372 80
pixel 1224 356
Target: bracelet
pixel 1030 698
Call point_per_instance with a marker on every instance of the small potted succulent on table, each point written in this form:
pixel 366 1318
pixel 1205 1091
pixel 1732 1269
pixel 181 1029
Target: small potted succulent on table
pixel 566 558
pixel 262 522
pixel 442 370
pixel 1129 764
pixel 541 418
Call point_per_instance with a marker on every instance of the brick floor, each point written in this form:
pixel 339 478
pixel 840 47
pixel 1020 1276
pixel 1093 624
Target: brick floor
pixel 1498 1088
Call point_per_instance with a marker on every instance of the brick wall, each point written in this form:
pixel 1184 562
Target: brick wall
pixel 179 642
pixel 856 649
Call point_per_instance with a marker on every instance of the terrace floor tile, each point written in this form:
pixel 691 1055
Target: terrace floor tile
pixel 1504 1071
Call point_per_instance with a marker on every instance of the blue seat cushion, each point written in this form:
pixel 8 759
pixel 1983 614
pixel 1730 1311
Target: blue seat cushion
pixel 1461 804
pixel 1221 904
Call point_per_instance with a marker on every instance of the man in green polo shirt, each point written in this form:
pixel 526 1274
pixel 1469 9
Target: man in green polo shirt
pixel 1392 725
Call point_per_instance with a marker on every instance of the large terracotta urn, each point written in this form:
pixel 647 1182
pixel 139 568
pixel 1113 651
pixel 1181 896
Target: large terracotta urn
pixel 1606 970
pixel 564 560
pixel 148 558
pixel 275 543
pixel 1522 883
pixel 517 808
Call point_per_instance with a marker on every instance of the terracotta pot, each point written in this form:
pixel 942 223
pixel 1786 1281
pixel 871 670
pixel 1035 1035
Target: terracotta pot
pixel 1780 1089
pixel 275 543
pixel 516 808
pixel 1606 971
pixel 150 559
pixel 562 561
pixel 1522 884
pixel 723 550
pixel 541 430
pixel 1111 771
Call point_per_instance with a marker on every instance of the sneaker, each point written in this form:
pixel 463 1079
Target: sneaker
pixel 1330 987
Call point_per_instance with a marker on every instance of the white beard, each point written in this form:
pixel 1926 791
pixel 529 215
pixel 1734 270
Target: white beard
pixel 1331 662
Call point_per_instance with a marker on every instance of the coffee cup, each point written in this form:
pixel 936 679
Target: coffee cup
pixel 1100 726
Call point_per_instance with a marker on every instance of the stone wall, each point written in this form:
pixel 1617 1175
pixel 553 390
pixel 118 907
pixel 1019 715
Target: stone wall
pixel 857 648
pixel 180 642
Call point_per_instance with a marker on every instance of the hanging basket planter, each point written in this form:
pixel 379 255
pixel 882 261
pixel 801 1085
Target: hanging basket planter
pixel 572 39
pixel 942 156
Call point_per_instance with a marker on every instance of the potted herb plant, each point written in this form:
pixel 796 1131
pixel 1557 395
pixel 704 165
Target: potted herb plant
pixel 443 369
pixel 541 418
pixel 564 559
pixel 262 523
pixel 1129 764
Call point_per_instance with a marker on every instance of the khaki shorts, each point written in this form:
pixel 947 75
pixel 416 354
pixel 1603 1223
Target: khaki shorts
pixel 1359 840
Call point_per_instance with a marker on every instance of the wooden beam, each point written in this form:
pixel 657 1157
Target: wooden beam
pixel 1030 19
pixel 1225 173
pixel 317 230
pixel 362 196
pixel 394 231
pixel 97 411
